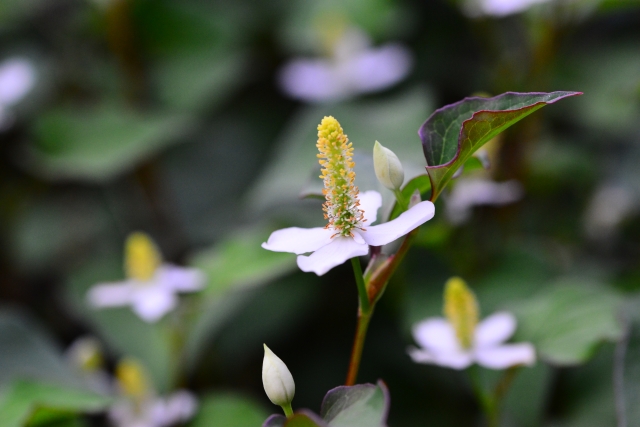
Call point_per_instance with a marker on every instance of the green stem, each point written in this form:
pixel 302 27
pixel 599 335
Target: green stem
pixel 488 403
pixel 288 411
pixel 362 289
pixel 401 200
pixel 358 345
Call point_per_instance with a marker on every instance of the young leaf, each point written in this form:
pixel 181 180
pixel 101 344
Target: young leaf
pixel 454 132
pixel 362 405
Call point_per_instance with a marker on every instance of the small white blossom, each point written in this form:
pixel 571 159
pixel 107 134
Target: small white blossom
pixel 151 287
pixel 499 8
pixel 470 192
pixel 17 77
pixel 354 68
pixel 178 407
pixel 440 345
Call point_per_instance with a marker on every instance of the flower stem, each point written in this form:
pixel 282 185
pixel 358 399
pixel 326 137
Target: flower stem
pixel 488 403
pixel 288 411
pixel 362 289
pixel 358 345
pixel 401 200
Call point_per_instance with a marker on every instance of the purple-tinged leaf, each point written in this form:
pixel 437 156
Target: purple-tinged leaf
pixel 275 420
pixel 454 132
pixel 361 405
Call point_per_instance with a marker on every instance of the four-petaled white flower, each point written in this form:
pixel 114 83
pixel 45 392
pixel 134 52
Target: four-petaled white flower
pixel 151 286
pixel 177 408
pixel 330 250
pixel 440 345
pixel 348 233
pixel 354 68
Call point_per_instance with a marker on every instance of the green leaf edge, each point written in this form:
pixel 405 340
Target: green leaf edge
pixel 435 190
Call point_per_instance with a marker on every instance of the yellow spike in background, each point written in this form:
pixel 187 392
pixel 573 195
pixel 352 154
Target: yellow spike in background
pixel 132 378
pixel 142 257
pixel 461 309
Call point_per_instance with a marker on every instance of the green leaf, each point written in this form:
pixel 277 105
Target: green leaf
pixel 454 132
pixel 567 322
pixel 305 419
pixel 362 405
pixel 24 398
pixel 100 143
pixel 226 409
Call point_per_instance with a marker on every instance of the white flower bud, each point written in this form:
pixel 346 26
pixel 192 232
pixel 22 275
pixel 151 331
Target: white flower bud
pixel 387 167
pixel 276 379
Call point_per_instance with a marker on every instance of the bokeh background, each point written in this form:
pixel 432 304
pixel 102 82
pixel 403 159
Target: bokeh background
pixel 194 121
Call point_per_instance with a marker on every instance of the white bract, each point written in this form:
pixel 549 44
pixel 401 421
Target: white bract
pixel 348 233
pixel 470 192
pixel 354 68
pixel 499 8
pixel 276 379
pixel 177 408
pixel 151 287
pixel 17 77
pixel 440 345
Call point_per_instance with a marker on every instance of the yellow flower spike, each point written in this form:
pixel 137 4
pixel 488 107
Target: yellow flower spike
pixel 142 257
pixel 341 206
pixel 461 309
pixel 132 378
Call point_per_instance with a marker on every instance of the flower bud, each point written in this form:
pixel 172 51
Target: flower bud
pixel 387 167
pixel 276 379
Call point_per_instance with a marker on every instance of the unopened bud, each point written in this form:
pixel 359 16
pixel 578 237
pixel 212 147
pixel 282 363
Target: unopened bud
pixel 276 379
pixel 387 167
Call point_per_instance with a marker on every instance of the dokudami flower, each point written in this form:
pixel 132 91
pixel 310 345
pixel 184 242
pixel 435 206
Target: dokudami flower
pixel 17 77
pixel 460 340
pixel 354 67
pixel 139 406
pixel 499 8
pixel 348 232
pixel 151 285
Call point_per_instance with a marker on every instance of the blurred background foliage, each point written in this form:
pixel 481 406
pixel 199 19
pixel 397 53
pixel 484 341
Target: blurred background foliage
pixel 168 116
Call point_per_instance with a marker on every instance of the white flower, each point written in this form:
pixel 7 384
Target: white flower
pixel 17 77
pixel 177 408
pixel 354 68
pixel 499 8
pixel 348 233
pixel 151 287
pixel 330 250
pixel 470 192
pixel 277 379
pixel 440 345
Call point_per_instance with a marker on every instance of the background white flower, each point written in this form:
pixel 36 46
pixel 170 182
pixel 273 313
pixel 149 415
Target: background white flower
pixel 178 407
pixel 17 77
pixel 151 287
pixel 440 345
pixel 470 192
pixel 330 250
pixel 354 68
pixel 499 8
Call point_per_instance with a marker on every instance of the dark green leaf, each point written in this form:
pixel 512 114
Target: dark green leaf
pixel 362 405
pixel 305 419
pixel 454 132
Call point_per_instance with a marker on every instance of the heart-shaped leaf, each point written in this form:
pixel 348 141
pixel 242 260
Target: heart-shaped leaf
pixel 361 405
pixel 454 132
pixel 302 418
